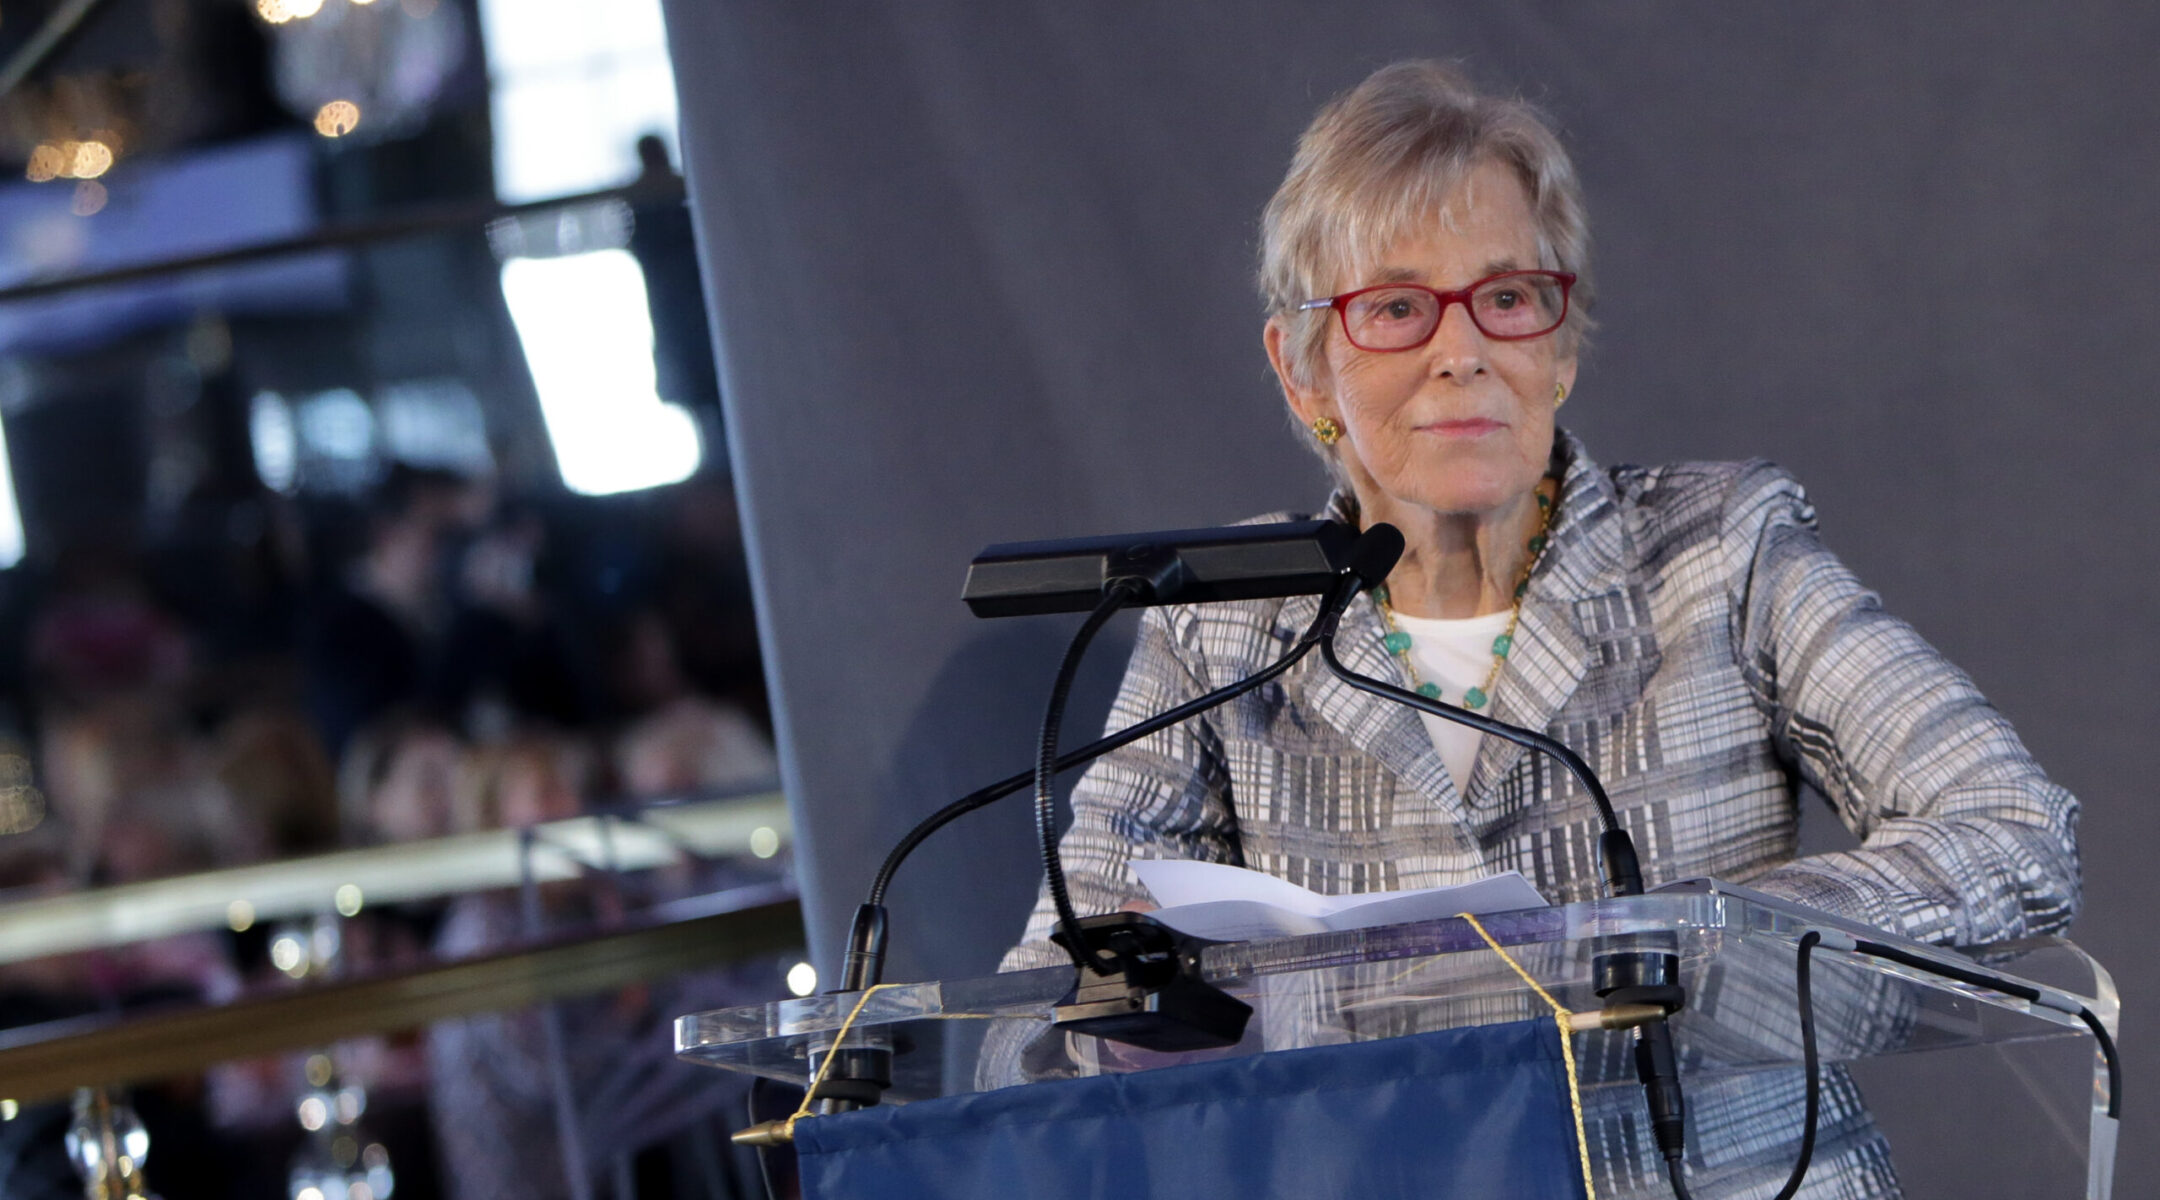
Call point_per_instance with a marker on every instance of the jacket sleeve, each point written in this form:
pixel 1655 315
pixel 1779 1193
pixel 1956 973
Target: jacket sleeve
pixel 1963 839
pixel 1164 796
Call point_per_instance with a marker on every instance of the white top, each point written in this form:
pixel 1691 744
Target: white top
pixel 1457 655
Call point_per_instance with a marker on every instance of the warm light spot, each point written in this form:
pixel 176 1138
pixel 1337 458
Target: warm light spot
pixel 90 197
pixel 348 900
pixel 319 1068
pixel 375 1157
pixel 314 1113
pixel 337 118
pixel 363 3
pixel 240 915
pixel 22 808
pixel 764 841
pixel 9 1109
pixel 91 159
pixel 802 979
pixel 277 12
pixel 351 1102
pixel 308 1193
pixel 289 954
pixel 46 163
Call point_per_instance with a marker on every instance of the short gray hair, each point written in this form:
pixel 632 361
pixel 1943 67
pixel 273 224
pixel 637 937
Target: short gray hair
pixel 1381 159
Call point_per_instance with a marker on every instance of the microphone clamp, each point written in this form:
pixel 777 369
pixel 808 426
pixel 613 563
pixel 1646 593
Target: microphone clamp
pixel 1155 998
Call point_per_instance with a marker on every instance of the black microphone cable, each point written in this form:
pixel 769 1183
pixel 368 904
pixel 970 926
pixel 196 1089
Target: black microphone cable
pixel 864 965
pixel 1811 1114
pixel 1810 1050
pixel 1371 557
pixel 1616 850
pixel 1638 975
pixel 1115 596
pixel 1369 560
pixel 2042 997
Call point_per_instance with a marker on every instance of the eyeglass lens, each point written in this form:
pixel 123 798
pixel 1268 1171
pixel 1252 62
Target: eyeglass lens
pixel 1508 306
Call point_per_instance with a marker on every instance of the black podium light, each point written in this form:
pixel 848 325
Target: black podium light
pixel 1181 566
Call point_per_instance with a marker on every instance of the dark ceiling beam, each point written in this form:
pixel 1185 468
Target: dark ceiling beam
pixel 63 24
pixel 431 219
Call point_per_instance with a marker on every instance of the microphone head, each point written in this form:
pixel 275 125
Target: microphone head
pixel 1375 553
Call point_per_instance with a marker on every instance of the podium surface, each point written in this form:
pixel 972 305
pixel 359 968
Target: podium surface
pixel 1739 1030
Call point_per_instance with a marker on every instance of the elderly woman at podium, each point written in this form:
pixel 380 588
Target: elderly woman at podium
pixel 1425 266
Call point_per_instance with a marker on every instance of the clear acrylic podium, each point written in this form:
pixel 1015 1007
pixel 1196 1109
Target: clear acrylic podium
pixel 1739 1034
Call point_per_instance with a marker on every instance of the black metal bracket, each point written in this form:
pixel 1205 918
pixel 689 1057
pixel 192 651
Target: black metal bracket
pixel 1639 977
pixel 1155 999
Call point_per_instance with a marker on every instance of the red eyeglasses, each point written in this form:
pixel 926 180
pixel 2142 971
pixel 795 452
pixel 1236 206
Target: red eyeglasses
pixel 1509 307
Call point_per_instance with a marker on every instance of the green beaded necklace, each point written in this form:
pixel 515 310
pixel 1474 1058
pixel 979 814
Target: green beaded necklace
pixel 1398 642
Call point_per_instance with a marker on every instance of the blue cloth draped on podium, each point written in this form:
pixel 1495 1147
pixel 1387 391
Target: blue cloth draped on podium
pixel 1465 1112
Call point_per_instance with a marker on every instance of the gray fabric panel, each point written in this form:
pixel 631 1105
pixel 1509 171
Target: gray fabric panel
pixel 981 273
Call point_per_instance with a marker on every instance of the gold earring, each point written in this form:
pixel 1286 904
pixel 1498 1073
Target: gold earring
pixel 1559 395
pixel 1326 430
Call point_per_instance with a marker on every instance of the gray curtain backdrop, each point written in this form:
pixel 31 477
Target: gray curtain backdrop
pixel 982 273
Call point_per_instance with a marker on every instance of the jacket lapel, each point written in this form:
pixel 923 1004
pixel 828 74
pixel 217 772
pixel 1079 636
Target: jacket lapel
pixel 1551 657
pixel 1550 660
pixel 1391 733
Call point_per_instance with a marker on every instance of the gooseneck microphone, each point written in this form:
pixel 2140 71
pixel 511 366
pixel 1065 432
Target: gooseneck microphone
pixel 1348 562
pixel 1616 850
pixel 1364 562
pixel 1361 561
pixel 1633 974
pixel 1138 980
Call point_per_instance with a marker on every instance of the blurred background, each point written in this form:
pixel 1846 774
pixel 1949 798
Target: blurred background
pixel 365 483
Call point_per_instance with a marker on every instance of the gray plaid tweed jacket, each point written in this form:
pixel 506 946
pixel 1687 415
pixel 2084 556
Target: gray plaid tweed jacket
pixel 1690 637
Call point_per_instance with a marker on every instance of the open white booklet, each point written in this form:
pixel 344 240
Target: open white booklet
pixel 1232 904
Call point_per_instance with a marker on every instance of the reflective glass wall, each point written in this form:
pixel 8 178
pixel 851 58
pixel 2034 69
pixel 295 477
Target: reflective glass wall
pixel 372 606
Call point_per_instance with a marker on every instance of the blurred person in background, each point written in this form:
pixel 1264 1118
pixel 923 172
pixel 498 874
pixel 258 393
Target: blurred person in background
pixel 273 766
pixel 494 1078
pixel 703 593
pixel 376 639
pixel 399 779
pixel 680 742
pixel 666 251
pixel 100 634
pixel 107 668
pixel 508 655
pixel 536 776
pixel 137 792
